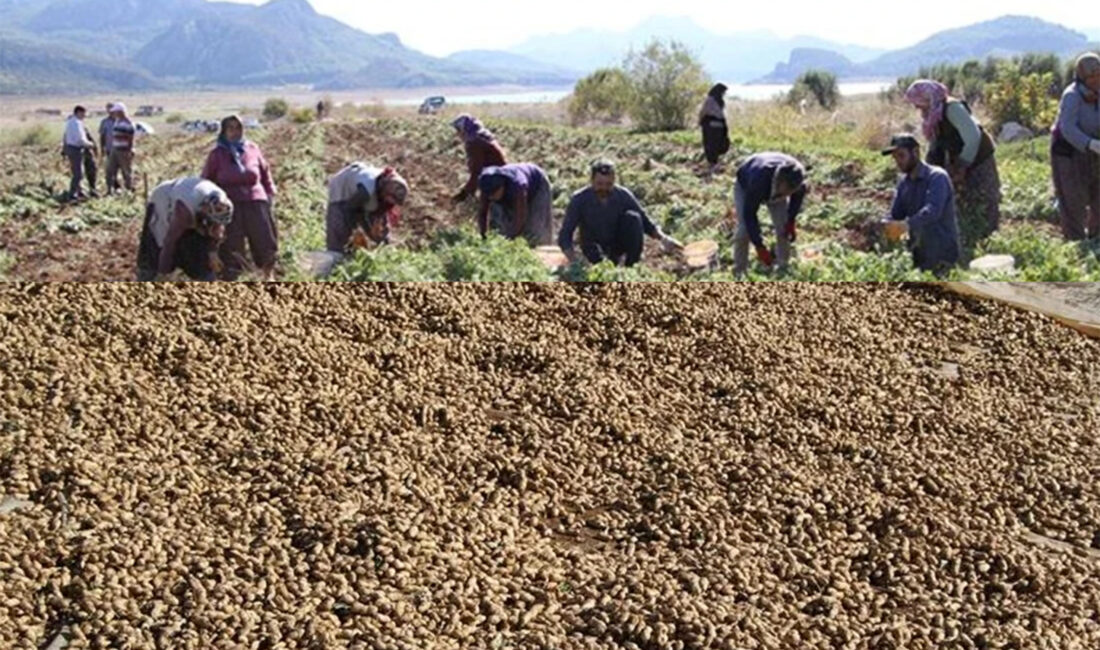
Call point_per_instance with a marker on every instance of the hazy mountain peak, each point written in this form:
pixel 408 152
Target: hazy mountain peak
pixel 289 8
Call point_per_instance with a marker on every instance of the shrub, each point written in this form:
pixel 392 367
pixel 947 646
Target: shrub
pixel 1023 98
pixel 668 82
pixel 276 108
pixel 604 95
pixel 174 118
pixel 34 136
pixel 302 115
pixel 818 85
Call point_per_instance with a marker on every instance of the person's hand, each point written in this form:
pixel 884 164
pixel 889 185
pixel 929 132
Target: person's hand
pixel 216 263
pixel 670 245
pixel 792 231
pixel 765 256
pixel 217 232
pixel 1094 147
pixel 359 240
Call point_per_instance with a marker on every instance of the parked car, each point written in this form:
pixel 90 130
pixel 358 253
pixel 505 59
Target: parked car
pixel 201 126
pixel 432 105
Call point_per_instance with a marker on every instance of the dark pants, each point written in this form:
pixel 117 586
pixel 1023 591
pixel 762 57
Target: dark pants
pixel 716 140
pixel 624 249
pixel 90 168
pixel 76 169
pixel 1077 185
pixel 192 254
pixel 254 223
pixel 120 161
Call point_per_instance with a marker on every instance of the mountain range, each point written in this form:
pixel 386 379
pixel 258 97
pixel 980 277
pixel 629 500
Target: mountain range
pixel 738 57
pixel 84 45
pixel 1004 37
pixel 78 46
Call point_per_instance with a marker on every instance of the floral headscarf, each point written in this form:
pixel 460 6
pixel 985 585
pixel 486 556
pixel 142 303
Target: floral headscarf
pixel 929 96
pixel 472 129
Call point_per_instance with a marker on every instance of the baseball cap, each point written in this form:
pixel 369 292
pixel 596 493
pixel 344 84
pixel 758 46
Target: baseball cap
pixel 901 141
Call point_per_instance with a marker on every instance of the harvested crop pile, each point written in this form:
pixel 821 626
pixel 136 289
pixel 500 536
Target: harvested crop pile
pixel 545 466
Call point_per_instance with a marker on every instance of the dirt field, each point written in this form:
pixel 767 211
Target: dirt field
pixel 544 467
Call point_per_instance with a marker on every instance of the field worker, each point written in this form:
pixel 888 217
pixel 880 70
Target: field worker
pixel 520 200
pixel 959 144
pixel 185 222
pixel 91 168
pixel 482 150
pixel 75 147
pixel 716 131
pixel 1075 153
pixel 106 128
pixel 238 166
pixel 778 181
pixel 613 224
pixel 361 196
pixel 121 156
pixel 925 200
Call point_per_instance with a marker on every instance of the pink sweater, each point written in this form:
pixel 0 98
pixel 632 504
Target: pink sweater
pixel 252 184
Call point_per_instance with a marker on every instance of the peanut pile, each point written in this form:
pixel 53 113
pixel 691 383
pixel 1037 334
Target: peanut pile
pixel 640 467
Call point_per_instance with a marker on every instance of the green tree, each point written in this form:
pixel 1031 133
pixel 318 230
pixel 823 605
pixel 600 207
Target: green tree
pixel 667 81
pixel 819 85
pixel 604 95
pixel 1023 98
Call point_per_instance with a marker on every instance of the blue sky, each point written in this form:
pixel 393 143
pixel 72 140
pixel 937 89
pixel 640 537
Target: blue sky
pixel 441 28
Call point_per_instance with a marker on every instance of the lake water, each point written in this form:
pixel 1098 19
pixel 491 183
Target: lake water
pixel 749 92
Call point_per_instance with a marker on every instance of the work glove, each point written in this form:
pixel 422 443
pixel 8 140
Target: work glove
pixel 1094 147
pixel 792 231
pixel 765 256
pixel 668 244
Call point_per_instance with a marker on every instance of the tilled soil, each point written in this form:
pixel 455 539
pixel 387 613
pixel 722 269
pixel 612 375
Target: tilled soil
pixel 106 252
pixel 545 467
pixel 434 176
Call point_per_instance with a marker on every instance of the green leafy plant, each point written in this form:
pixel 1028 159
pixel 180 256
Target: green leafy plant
pixel 275 108
pixel 302 115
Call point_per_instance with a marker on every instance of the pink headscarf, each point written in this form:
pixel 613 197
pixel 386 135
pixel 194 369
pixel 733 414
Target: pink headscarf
pixel 930 95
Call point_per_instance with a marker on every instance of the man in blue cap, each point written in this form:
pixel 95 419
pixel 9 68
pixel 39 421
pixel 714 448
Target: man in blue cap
pixel 925 201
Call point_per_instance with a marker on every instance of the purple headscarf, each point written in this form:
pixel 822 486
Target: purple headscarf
pixel 472 129
pixel 931 98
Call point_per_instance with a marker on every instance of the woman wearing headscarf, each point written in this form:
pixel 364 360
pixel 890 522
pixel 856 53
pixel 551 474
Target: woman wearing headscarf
pixel 238 166
pixel 716 131
pixel 523 199
pixel 482 150
pixel 1075 153
pixel 959 144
